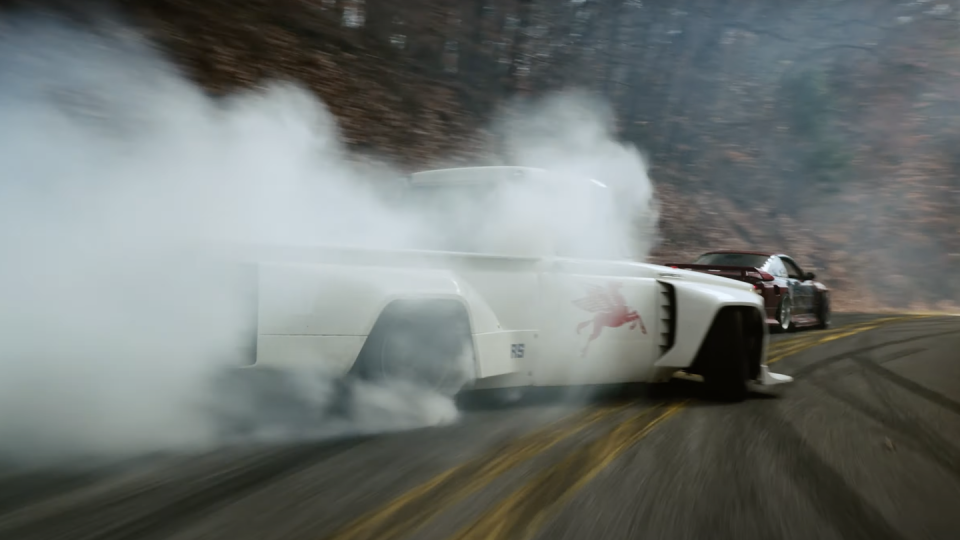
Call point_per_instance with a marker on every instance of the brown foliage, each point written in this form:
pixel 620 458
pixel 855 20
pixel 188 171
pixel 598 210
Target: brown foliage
pixel 824 130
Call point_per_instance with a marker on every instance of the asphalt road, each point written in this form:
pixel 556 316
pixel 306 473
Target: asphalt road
pixel 865 445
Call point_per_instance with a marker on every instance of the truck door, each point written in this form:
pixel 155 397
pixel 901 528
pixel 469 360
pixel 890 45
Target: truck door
pixel 598 328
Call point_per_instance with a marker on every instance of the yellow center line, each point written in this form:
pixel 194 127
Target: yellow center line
pixel 792 346
pixel 405 514
pixel 821 341
pixel 847 331
pixel 789 342
pixel 521 514
pixel 800 340
pixel 806 338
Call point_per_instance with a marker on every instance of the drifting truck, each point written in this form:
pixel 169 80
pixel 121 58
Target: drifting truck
pixel 462 317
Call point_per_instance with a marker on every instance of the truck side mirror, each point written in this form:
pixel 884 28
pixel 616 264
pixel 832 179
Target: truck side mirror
pixel 809 276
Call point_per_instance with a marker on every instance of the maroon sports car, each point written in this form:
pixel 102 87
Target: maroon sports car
pixel 792 298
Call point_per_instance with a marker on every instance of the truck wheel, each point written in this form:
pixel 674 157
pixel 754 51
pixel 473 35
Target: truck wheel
pixel 281 401
pixel 726 369
pixel 426 343
pixel 785 315
pixel 489 398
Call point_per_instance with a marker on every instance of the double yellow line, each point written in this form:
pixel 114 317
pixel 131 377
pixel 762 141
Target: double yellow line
pixel 782 349
pixel 524 511
pixel 521 514
pixel 406 514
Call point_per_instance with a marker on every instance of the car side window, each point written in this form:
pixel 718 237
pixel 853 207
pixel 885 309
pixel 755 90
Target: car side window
pixel 776 267
pixel 793 270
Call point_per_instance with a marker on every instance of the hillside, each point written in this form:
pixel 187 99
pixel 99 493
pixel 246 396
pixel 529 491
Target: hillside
pixel 824 130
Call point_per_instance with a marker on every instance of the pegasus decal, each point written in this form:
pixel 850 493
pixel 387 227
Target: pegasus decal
pixel 611 310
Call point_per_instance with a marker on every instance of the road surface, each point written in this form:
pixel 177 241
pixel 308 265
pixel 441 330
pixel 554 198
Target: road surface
pixel 865 445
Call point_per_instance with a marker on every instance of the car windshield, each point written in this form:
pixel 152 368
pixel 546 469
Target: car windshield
pixel 733 259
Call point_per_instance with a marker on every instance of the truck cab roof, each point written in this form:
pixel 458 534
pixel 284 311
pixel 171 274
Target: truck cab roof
pixel 479 175
pixel 511 210
pixel 473 175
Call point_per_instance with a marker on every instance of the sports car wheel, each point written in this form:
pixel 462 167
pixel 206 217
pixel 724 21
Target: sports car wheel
pixel 785 314
pixel 824 314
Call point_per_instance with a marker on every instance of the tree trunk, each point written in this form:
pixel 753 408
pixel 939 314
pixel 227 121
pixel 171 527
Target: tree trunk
pixel 524 11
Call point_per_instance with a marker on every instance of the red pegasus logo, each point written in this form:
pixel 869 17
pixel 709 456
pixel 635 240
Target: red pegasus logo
pixel 611 310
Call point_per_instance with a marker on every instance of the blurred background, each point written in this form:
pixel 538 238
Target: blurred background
pixel 827 130
pixel 824 129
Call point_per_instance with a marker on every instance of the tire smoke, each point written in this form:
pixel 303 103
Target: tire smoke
pixel 117 171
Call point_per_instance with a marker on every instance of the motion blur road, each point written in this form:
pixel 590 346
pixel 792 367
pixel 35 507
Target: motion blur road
pixel 865 445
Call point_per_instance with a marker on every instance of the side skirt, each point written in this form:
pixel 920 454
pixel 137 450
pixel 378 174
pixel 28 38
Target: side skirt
pixel 769 378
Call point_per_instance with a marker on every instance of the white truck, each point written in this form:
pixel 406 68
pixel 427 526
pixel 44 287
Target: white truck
pixel 460 320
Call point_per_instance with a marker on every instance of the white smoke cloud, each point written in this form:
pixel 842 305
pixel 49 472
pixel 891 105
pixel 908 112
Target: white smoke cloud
pixel 114 165
pixel 572 135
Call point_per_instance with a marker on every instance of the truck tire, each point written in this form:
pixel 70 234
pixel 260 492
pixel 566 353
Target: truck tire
pixel 425 343
pixel 281 401
pixel 490 398
pixel 726 368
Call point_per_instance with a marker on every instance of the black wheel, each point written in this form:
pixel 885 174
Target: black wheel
pixel 824 312
pixel 490 398
pixel 785 315
pixel 726 368
pixel 422 343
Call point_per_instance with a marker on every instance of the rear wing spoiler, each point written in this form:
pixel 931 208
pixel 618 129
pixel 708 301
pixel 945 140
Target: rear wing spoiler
pixel 749 274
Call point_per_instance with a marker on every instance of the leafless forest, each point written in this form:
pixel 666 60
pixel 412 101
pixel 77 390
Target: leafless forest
pixel 827 129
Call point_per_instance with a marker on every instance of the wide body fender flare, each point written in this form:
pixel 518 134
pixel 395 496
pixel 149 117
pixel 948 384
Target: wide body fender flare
pixel 696 308
pixel 310 314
